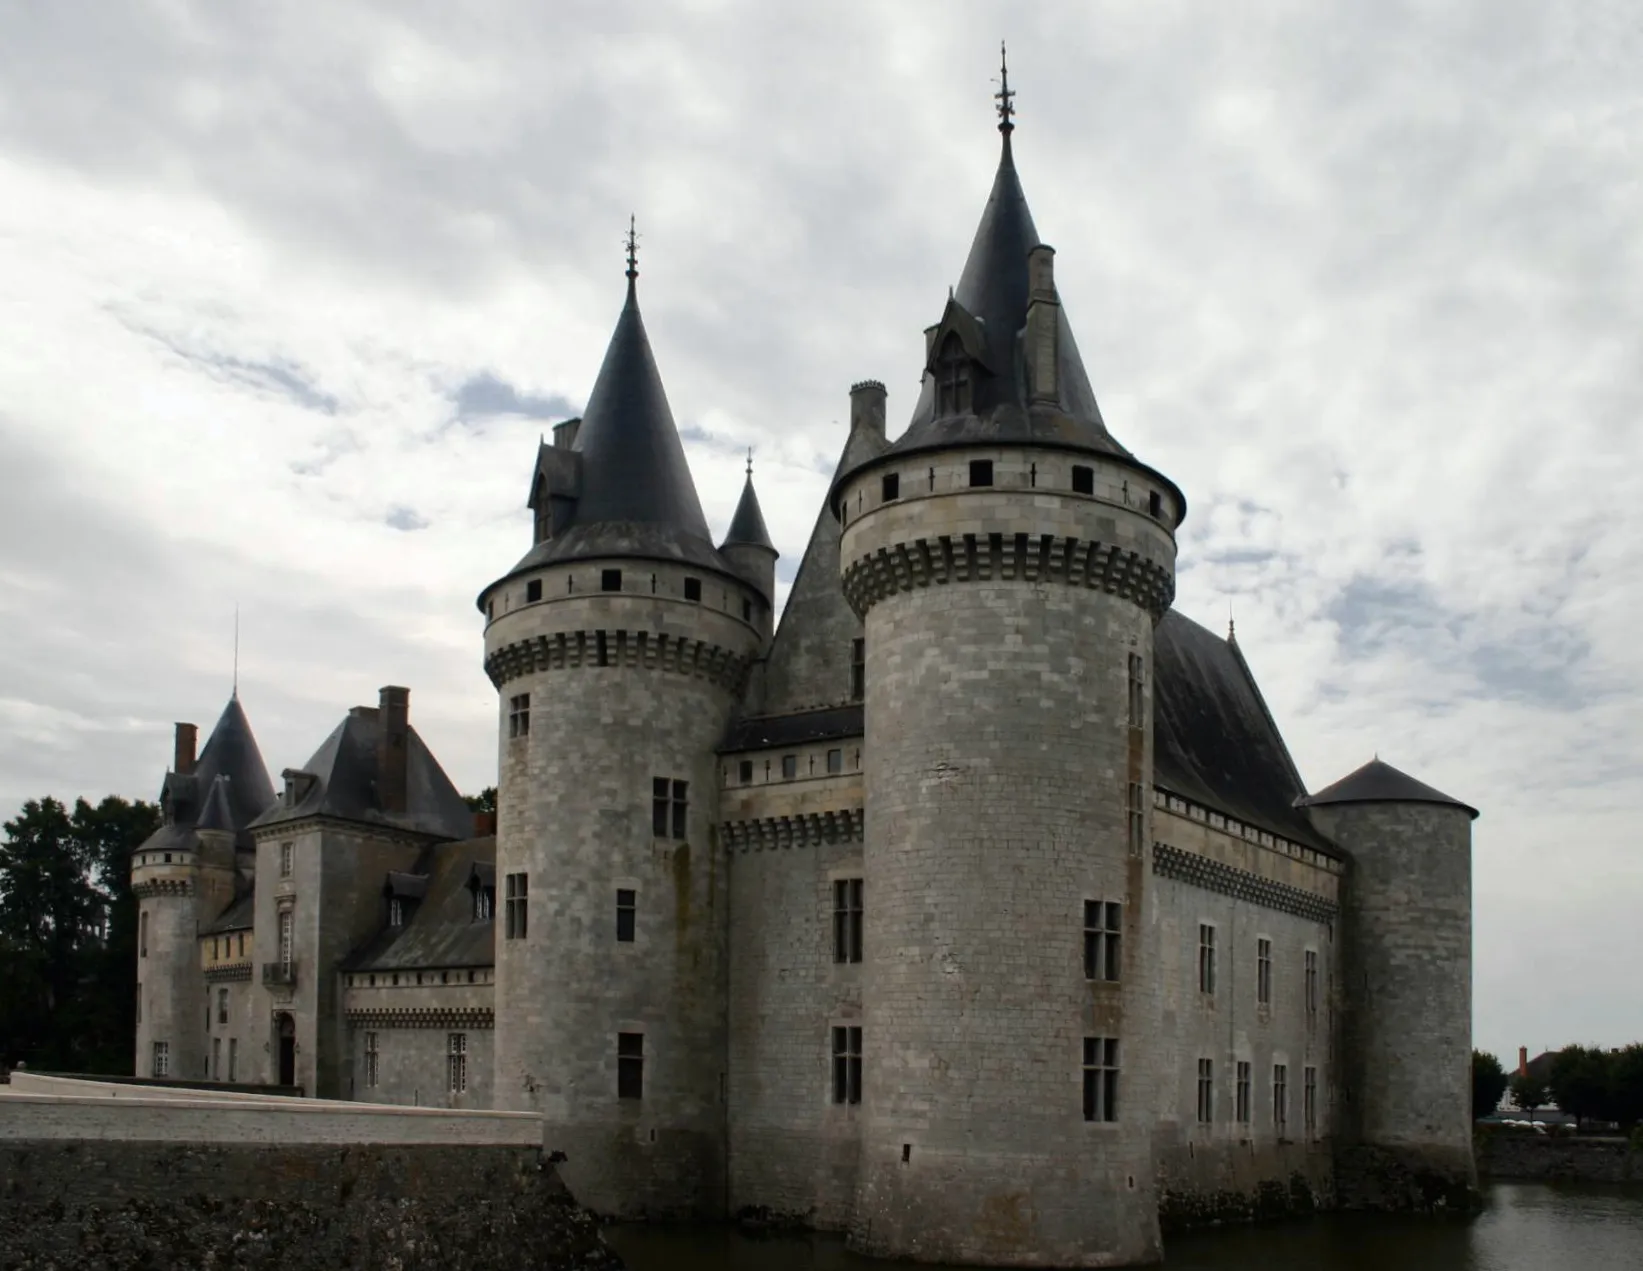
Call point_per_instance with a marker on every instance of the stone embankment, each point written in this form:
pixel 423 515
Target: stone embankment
pixel 1507 1154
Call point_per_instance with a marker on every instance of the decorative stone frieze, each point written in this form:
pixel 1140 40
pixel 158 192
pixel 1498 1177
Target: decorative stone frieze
pixel 150 887
pixel 650 650
pixel 1169 801
pixel 1108 567
pixel 808 829
pixel 227 972
pixel 456 1018
pixel 1200 871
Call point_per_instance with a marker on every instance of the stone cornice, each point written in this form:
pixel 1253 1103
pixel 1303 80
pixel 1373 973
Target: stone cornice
pixel 450 1017
pixel 1107 567
pixel 151 887
pixel 228 971
pixel 1178 805
pixel 646 650
pixel 1240 884
pixel 808 829
pixel 321 821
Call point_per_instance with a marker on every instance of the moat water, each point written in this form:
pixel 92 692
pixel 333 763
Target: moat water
pixel 1525 1227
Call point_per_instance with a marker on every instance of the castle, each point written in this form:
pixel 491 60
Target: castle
pixel 977 909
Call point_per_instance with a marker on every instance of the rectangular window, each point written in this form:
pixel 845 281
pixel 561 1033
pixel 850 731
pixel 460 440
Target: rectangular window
pixel 747 611
pixel 372 1060
pixel 396 911
pixel 858 670
pixel 693 591
pixel 222 1006
pixel 1103 931
pixel 1309 1099
pixel 519 715
pixel 1206 958
pixel 233 1058
pixel 287 922
pixel 515 897
pixel 891 487
pixel 1280 1098
pixel 1206 1091
pixel 213 948
pixel 1242 1094
pixel 669 807
pixel 835 761
pixel 1101 1079
pixel 847 1065
pixel 1135 797
pixel 484 903
pixel 1155 505
pixel 242 944
pixel 610 580
pixel 456 1063
pixel 1138 692
pixel 139 1003
pixel 216 1059
pixel 533 591
pixel 162 1059
pixel 847 919
pixel 744 771
pixel 1263 972
pixel 981 472
pixel 630 1065
pixel 790 767
pixel 1083 479
pixel 287 855
pixel 142 936
pixel 1311 983
pixel 681 809
pixel 627 914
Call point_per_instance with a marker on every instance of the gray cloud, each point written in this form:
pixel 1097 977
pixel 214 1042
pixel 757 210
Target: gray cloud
pixel 484 393
pixel 404 518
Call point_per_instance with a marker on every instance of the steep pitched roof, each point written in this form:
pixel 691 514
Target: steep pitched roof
pixel 809 661
pixel 227 789
pixel 344 769
pixel 442 930
pixel 747 525
pixel 237 917
pixel 216 814
pixel 1378 782
pixel 1214 740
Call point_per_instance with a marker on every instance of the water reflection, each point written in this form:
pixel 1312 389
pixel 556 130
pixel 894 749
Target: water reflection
pixel 1526 1227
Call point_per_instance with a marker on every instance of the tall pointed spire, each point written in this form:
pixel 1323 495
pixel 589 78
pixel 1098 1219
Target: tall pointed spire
pixel 1003 96
pixel 747 525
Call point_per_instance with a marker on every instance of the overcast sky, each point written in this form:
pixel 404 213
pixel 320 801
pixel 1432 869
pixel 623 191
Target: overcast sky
pixel 288 292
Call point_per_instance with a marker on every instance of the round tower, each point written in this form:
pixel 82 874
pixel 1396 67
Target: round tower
pixel 618 647
pixel 1405 1103
pixel 1010 560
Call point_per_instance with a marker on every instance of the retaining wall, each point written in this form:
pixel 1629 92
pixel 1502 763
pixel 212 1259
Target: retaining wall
pixel 1551 1158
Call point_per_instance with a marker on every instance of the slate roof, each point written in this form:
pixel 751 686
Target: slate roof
pixel 229 784
pixel 799 729
pixel 217 815
pixel 345 766
pixel 442 931
pixel 1214 740
pixel 1378 782
pixel 237 917
pixel 747 525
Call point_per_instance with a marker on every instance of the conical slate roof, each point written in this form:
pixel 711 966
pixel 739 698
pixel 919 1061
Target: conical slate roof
pixel 231 751
pixel 216 814
pixel 747 526
pixel 1378 782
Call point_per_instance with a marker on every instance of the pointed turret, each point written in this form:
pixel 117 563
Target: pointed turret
pixel 748 548
pixel 747 525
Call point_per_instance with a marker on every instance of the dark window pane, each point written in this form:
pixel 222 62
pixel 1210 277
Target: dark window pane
pixel 610 580
pixel 892 487
pixel 981 472
pixel 693 589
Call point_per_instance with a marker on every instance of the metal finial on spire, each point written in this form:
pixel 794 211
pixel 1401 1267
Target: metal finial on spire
pixel 633 250
pixel 236 691
pixel 750 461
pixel 1003 96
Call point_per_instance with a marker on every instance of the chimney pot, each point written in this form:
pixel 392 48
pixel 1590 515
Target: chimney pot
pixel 393 728
pixel 867 401
pixel 183 755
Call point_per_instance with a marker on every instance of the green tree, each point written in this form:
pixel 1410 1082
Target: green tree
pixel 1626 1086
pixel 1581 1083
pixel 1488 1083
pixel 484 801
pixel 1529 1092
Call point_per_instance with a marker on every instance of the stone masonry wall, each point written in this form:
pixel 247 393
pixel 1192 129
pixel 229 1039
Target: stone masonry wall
pixel 110 1206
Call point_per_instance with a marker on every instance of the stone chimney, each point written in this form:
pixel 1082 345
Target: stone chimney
pixel 182 754
pixel 1043 327
pixel 867 406
pixel 393 729
pixel 484 824
pixel 564 435
pixel 1523 1061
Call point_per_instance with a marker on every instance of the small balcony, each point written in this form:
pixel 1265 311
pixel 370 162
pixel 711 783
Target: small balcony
pixel 279 974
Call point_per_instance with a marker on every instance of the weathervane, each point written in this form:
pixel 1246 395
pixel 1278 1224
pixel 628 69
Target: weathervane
pixel 633 249
pixel 1006 107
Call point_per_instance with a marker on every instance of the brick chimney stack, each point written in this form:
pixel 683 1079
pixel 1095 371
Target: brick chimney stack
pixel 1523 1061
pixel 182 755
pixel 393 729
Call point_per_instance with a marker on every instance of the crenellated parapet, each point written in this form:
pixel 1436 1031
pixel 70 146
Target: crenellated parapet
pixel 647 650
pixel 806 829
pixel 175 885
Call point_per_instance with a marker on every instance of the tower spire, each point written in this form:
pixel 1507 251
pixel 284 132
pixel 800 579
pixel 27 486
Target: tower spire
pixel 633 250
pixel 750 461
pixel 1006 107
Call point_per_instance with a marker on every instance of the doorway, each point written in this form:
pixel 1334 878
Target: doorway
pixel 285 1032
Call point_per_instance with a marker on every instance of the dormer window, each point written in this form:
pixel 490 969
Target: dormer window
pixel 484 903
pixel 953 376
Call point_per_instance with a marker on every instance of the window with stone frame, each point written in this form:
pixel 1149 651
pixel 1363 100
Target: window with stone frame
pixel 627 914
pixel 744 772
pixel 1083 479
pixel 846 1064
pixel 519 715
pixel 142 935
pixel 790 767
pixel 1103 939
pixel 1206 958
pixel 287 851
pixel 630 1065
pixel 456 1063
pixel 373 1069
pixel 1280 1099
pixel 233 1058
pixel 954 373
pixel 858 670
pixel 484 907
pixel 161 1066
pixel 216 1059
pixel 287 921
pixel 848 916
pixel 1241 1093
pixel 1206 1091
pixel 835 761
pixel 1101 1079
pixel 1309 1100
pixel 222 1006
pixel 1263 972
pixel 515 899
pixel 1311 985
pixel 1135 800
pixel 669 808
pixel 1137 692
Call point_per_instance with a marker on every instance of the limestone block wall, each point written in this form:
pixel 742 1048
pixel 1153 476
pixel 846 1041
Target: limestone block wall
pixel 414 1065
pixel 170 990
pixel 794 1151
